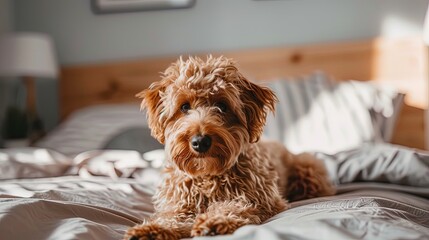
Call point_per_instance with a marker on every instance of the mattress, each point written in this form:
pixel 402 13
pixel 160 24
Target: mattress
pixel 383 193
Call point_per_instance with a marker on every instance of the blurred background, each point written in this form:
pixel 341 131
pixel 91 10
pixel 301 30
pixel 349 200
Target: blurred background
pixel 81 36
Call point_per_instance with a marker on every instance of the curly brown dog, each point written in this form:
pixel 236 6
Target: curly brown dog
pixel 218 176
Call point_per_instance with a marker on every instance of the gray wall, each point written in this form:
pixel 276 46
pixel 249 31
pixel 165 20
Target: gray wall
pixel 6 18
pixel 83 37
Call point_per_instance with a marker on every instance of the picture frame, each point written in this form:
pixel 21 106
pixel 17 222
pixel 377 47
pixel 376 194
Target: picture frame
pixel 118 6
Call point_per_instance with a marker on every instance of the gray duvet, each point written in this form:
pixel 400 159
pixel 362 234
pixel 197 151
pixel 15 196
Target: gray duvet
pixel 383 193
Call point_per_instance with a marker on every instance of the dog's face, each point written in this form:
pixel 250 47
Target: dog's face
pixel 205 112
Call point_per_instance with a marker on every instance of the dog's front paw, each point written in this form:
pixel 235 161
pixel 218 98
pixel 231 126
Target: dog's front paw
pixel 149 232
pixel 217 225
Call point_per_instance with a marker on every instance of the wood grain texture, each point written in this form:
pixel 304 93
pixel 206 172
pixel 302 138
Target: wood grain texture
pixel 401 63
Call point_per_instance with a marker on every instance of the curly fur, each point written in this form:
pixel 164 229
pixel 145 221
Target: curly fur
pixel 239 180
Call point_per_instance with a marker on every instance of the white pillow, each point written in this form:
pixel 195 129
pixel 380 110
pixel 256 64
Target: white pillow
pixel 316 113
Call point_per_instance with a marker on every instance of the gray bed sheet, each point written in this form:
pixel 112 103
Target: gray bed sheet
pixel 383 193
pixel 360 214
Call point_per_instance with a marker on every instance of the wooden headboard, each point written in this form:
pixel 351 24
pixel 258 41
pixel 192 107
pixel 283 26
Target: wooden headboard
pixel 399 62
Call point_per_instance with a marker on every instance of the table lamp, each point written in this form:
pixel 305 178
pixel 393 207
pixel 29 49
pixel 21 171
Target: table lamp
pixel 28 56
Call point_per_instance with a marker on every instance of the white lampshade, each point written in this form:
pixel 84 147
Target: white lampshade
pixel 27 54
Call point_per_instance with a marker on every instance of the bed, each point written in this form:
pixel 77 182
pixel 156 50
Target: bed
pixel 94 175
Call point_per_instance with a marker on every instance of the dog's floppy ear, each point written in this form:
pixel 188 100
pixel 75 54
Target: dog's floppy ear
pixel 153 105
pixel 257 101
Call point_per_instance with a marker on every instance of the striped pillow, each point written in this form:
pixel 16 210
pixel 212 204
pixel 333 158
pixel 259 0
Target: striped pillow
pixel 318 114
pixel 93 127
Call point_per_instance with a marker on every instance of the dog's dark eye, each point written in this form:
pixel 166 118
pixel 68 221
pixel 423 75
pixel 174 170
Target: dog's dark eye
pixel 185 107
pixel 222 106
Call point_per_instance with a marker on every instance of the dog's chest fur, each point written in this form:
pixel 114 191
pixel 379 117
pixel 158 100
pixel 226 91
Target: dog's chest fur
pixel 249 179
pixel 207 185
pixel 195 193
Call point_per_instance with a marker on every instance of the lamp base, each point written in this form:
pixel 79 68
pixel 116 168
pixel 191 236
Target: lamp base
pixel 35 124
pixel 35 127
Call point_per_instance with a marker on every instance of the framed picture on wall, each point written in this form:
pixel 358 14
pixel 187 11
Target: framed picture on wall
pixel 115 6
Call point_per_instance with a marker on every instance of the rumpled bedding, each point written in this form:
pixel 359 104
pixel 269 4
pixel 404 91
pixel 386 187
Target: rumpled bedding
pixel 383 193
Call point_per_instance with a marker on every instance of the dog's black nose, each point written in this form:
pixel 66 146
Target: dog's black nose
pixel 201 143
